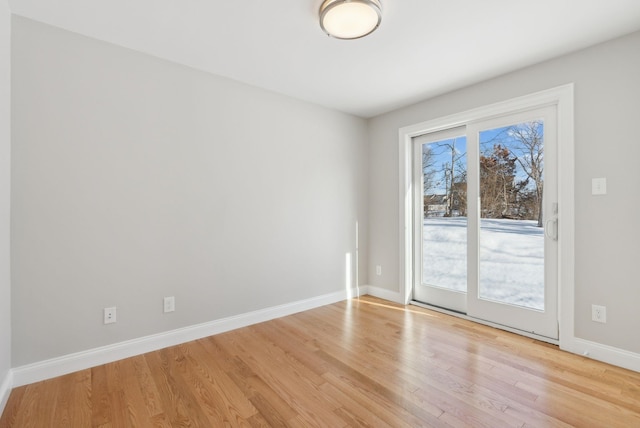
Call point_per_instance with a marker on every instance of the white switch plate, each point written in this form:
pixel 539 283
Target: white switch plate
pixel 378 270
pixel 109 315
pixel 599 186
pixel 169 304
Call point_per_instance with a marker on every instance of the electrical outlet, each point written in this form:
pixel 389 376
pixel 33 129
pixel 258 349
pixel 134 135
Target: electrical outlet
pixel 109 315
pixel 378 270
pixel 599 313
pixel 169 304
pixel 599 186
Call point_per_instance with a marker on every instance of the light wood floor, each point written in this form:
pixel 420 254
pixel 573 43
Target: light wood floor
pixel 363 362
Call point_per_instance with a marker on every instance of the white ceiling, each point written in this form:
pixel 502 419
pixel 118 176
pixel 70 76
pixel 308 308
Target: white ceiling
pixel 423 47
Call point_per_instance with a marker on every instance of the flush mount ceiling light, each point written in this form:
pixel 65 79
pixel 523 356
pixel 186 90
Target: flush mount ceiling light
pixel 350 19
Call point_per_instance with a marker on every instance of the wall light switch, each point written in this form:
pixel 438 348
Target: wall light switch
pixel 599 186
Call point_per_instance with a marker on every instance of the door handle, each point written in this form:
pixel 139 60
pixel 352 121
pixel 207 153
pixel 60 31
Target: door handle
pixel 551 228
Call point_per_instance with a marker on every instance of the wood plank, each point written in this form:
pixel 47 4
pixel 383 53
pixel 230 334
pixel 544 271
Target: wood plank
pixel 215 391
pixel 14 407
pixel 298 387
pixel 177 398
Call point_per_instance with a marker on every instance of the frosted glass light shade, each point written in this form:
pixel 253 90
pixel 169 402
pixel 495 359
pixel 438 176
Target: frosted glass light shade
pixel 350 19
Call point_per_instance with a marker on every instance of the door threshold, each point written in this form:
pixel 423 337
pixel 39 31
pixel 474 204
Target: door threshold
pixel 484 322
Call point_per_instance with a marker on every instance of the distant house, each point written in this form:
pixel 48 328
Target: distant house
pixel 435 205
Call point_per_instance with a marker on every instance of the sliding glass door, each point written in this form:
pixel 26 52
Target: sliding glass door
pixel 485 215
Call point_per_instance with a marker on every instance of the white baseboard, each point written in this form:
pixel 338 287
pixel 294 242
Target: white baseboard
pixel 382 293
pixel 93 357
pixel 607 354
pixel 86 359
pixel 5 390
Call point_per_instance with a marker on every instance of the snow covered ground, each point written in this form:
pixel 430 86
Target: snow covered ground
pixel 511 258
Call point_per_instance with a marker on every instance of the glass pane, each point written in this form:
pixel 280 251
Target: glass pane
pixel 511 224
pixel 444 246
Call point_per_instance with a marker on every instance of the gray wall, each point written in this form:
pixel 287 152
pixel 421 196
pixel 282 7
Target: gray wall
pixel 135 178
pixel 607 108
pixel 5 156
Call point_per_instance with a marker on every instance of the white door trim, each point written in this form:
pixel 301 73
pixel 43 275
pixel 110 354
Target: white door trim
pixel 562 97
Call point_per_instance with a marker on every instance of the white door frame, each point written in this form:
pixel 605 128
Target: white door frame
pixel 562 98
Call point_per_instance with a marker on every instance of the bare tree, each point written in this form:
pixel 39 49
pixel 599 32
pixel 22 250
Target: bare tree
pixel 444 178
pixel 428 174
pixel 428 170
pixel 528 148
pixel 452 171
